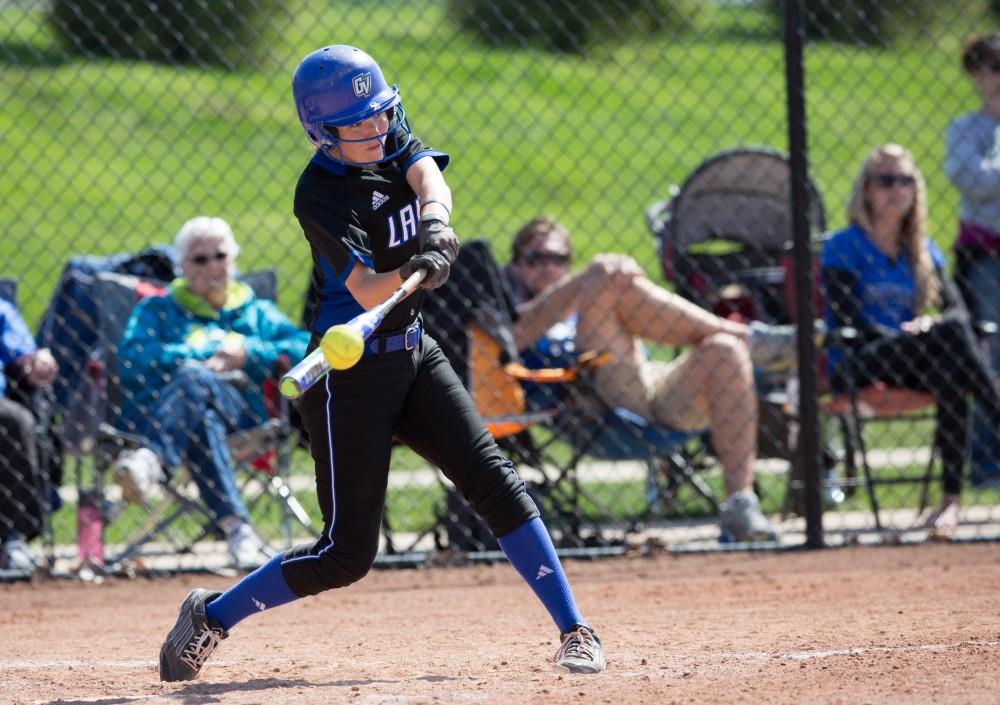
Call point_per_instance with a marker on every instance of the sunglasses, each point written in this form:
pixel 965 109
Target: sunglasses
pixel 537 259
pixel 890 180
pixel 202 260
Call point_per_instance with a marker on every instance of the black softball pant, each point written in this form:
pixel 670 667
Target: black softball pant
pixel 944 361
pixel 352 417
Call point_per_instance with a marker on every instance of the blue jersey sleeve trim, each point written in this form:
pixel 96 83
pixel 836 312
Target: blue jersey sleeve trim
pixel 441 158
pixel 330 165
pixel 355 257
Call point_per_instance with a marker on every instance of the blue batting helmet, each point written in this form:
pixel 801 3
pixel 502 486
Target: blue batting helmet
pixel 340 85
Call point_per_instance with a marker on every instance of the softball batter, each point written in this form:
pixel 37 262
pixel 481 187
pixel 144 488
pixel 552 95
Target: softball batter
pixel 374 207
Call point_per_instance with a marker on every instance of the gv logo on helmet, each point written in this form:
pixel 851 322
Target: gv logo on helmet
pixel 362 84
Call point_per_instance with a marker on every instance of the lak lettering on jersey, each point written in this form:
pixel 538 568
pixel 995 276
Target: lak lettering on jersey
pixel 402 226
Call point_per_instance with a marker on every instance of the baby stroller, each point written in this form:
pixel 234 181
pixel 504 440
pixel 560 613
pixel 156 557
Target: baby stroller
pixel 724 241
pixel 724 237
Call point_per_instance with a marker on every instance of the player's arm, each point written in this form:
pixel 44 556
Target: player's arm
pixel 370 288
pixel 425 178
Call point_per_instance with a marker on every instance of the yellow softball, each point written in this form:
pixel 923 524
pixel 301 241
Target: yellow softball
pixel 342 347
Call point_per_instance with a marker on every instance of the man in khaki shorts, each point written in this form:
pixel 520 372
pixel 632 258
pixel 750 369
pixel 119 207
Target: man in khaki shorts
pixel 615 307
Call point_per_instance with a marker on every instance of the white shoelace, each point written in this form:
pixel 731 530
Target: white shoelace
pixel 200 647
pixel 577 644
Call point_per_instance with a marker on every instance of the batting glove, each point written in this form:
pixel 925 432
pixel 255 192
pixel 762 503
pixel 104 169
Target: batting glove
pixel 435 235
pixel 436 265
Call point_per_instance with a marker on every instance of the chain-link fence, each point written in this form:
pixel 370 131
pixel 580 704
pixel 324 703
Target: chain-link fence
pixel 657 131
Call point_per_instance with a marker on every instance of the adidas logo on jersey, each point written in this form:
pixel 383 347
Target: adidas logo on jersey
pixel 378 199
pixel 260 605
pixel 543 570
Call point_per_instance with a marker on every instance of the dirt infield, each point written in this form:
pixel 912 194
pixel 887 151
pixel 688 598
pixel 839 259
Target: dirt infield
pixel 918 624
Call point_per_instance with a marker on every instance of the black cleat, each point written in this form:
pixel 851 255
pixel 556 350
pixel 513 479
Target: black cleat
pixel 192 640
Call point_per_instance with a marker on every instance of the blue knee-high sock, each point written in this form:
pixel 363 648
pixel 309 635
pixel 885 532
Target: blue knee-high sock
pixel 529 549
pixel 260 590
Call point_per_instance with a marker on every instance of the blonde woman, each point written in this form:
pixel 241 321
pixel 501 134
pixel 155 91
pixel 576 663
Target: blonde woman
pixel 884 277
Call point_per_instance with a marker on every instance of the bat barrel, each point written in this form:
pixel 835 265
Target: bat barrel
pixel 290 388
pixel 298 379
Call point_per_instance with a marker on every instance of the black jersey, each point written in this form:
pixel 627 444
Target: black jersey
pixel 350 215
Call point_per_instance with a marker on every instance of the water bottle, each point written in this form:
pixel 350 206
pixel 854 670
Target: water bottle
pixel 89 542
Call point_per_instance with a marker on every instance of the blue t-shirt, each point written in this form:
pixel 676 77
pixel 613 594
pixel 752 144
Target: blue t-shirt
pixel 885 288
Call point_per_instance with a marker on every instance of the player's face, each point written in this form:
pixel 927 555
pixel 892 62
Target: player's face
pixel 891 187
pixel 543 261
pixel 372 135
pixel 207 267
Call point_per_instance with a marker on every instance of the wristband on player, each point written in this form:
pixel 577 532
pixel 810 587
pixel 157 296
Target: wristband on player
pixel 446 208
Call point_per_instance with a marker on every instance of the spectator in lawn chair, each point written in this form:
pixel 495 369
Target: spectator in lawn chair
pixel 191 365
pixel 882 276
pixel 610 305
pixel 23 368
pixel 972 163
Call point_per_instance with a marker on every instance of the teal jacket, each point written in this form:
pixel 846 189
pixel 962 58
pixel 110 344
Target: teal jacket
pixel 166 331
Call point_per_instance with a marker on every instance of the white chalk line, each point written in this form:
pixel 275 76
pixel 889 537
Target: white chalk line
pixel 853 651
pixel 803 655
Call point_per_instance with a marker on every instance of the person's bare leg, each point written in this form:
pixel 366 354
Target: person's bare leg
pixel 641 309
pixel 715 380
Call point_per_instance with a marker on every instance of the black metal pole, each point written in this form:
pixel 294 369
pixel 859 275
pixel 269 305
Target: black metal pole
pixel 808 440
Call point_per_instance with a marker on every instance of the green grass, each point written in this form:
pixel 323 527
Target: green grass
pixel 104 156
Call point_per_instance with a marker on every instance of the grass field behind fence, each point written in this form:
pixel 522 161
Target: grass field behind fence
pixel 107 156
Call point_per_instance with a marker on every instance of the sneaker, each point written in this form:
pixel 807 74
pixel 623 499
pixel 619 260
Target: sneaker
pixel 245 546
pixel 192 640
pixel 139 474
pixel 741 520
pixel 580 651
pixel 774 348
pixel 15 556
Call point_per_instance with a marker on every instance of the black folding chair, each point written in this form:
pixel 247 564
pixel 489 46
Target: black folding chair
pixel 471 317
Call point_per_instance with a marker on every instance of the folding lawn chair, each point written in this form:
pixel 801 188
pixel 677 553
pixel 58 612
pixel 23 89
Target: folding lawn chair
pixel 261 454
pixel 853 410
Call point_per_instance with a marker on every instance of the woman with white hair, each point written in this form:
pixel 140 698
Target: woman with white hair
pixel 882 276
pixel 173 361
